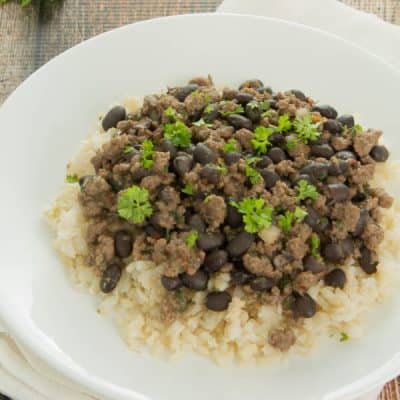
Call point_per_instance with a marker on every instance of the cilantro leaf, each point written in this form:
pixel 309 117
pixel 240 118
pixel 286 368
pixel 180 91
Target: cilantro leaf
pixel 237 110
pixel 178 133
pixel 306 191
pixel 230 146
pixel 291 144
pixel 134 205
pixel 306 129
pixel 72 178
pixel 128 149
pixel 260 141
pixel 170 113
pixel 201 122
pixel 286 221
pixel 284 123
pixel 266 114
pixel 147 154
pixel 315 243
pixel 253 175
pixel 209 109
pixel 188 189
pixel 191 239
pixel 344 336
pixel 207 98
pixel 300 214
pixel 256 215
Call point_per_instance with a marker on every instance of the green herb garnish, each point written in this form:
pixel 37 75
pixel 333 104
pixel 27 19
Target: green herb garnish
pixel 209 109
pixel 178 133
pixel 344 336
pixel 306 129
pixel 147 154
pixel 253 175
pixel 237 110
pixel 188 189
pixel 315 243
pixel 266 114
pixel 300 214
pixel 72 178
pixel 207 98
pixel 256 215
pixel 134 205
pixel 201 122
pixel 265 105
pixel 128 149
pixel 286 221
pixel 171 114
pixel 291 144
pixel 284 123
pixel 191 239
pixel 260 141
pixel 306 191
pixel 230 146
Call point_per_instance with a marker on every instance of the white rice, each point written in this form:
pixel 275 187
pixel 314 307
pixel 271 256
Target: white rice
pixel 229 335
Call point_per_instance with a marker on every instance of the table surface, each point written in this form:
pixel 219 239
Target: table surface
pixel 32 35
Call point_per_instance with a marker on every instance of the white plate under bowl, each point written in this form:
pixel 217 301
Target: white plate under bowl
pixel 41 125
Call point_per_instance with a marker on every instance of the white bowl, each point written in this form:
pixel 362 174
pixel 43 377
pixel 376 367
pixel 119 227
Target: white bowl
pixel 41 125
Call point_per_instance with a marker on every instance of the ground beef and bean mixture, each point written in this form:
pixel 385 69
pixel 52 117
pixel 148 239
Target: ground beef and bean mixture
pixel 266 186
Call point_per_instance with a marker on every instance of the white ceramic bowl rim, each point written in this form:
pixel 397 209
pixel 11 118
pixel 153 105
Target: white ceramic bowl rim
pixel 42 347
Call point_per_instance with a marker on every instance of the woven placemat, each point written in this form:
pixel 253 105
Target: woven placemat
pixel 31 36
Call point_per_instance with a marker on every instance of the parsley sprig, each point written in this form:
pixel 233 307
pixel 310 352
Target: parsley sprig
pixel 134 205
pixel 315 244
pixel 230 146
pixel 260 140
pixel 187 189
pixel 237 110
pixel 147 154
pixel 178 133
pixel 306 130
pixel 306 191
pixel 286 221
pixel 256 215
pixel 284 123
pixel 191 239
pixel 72 178
pixel 251 173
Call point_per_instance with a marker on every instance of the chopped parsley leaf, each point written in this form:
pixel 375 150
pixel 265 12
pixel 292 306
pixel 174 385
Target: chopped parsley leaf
pixel 315 243
pixel 72 178
pixel 306 129
pixel 306 191
pixel 260 141
pixel 201 122
pixel 147 154
pixel 207 98
pixel 266 114
pixel 178 133
pixel 209 109
pixel 170 113
pixel 237 110
pixel 265 105
pixel 134 205
pixel 230 146
pixel 285 222
pixel 256 215
pixel 188 189
pixel 284 123
pixel 191 239
pixel 291 144
pixel 344 336
pixel 128 149
pixel 253 175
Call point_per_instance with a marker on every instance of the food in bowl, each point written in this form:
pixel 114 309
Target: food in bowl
pixel 236 223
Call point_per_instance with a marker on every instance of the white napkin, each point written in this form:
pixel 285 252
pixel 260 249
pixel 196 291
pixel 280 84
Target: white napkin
pixel 20 376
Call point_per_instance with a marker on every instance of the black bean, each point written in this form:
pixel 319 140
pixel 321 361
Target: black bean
pixel 322 150
pixel 218 301
pixel 264 89
pixel 313 265
pixel 280 260
pixel 338 168
pixel 232 158
pixel 379 153
pixel 277 139
pixel 212 113
pixel 110 278
pixel 153 231
pixel 196 223
pixel 210 241
pixel 210 174
pixel 168 146
pixel 316 169
pixel 184 91
pixel 251 83
pixel 253 111
pixel 190 149
pixel 304 307
pixel 174 283
pixel 273 104
pixel 339 192
pixel 276 154
pixel 347 246
pixel 215 260
pixel 270 178
pixel 333 126
pixel 203 154
pixel 366 262
pixel 336 278
pixel 299 94
pixel 183 164
pixel 359 229
pixel 111 119
pixel 312 217
pixel 233 217
pixel 243 97
pixel 264 162
pixel 83 180
pixel 321 140
pixel 359 197
pixel 240 277
pixel 346 120
pixel 239 121
pixel 240 244
pixel 139 174
pixel 262 284
pixel 123 244
pixel 346 155
pixel 333 252
pixel 198 281
pixel 325 111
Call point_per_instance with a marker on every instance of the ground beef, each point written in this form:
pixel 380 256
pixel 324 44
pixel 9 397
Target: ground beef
pixel 258 265
pixel 304 281
pixel 282 339
pixel 244 136
pixel 372 235
pixel 341 142
pixel 285 168
pixel 384 199
pixel 103 251
pixel 348 214
pixel 297 248
pixel 363 142
pixel 213 211
pixel 363 174
pixel 283 195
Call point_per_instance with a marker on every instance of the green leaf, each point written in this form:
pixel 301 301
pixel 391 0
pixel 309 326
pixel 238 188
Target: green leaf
pixel 253 175
pixel 285 221
pixel 147 154
pixel 237 110
pixel 134 205
pixel 306 129
pixel 306 191
pixel 128 149
pixel 230 146
pixel 284 123
pixel 291 144
pixel 201 122
pixel 171 114
pixel 266 114
pixel 178 133
pixel 300 214
pixel 260 140
pixel 207 98
pixel 265 105
pixel 209 109
pixel 344 336
pixel 188 189
pixel 315 243
pixel 72 178
pixel 256 215
pixel 191 239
